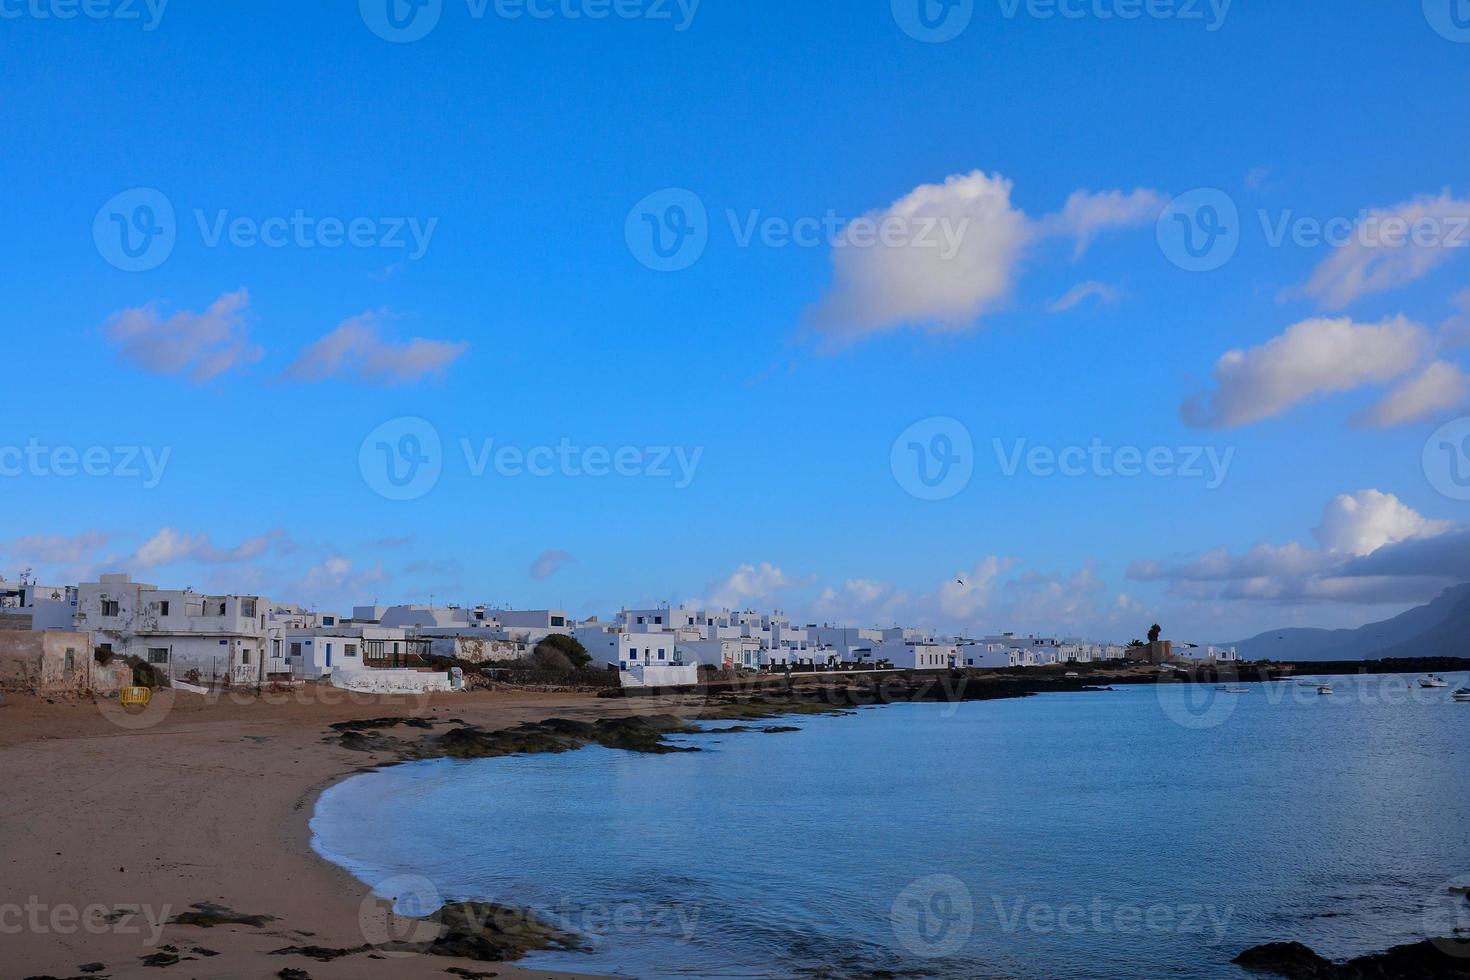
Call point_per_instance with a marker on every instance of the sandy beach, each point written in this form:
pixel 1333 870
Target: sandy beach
pixel 208 801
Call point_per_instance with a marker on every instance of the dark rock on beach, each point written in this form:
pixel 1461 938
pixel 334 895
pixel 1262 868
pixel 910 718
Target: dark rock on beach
pixel 643 733
pixel 1424 960
pixel 488 932
pixel 207 915
pixel 322 954
pixel 160 959
pixel 369 723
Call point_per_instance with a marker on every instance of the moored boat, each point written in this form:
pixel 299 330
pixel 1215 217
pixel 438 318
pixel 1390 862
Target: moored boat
pixel 1462 695
pixel 1324 689
pixel 1434 680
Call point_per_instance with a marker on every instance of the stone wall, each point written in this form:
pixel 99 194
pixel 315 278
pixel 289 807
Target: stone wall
pixel 57 662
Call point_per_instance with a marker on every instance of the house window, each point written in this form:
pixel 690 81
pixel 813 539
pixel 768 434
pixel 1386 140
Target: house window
pixel 296 649
pixel 660 653
pixel 163 609
pixel 247 608
pixel 244 656
pixel 158 655
pixel 349 649
pixel 329 620
pixel 110 607
pixel 558 620
pixel 71 660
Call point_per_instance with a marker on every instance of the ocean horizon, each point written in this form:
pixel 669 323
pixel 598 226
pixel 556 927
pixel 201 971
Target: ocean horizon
pixel 1155 830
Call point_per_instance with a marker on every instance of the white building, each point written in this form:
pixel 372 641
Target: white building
pixel 189 636
pixel 32 606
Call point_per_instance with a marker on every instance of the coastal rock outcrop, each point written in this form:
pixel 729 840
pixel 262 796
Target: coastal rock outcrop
pixel 1415 961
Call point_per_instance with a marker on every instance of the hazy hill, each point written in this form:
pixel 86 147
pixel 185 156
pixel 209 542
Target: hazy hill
pixel 1439 629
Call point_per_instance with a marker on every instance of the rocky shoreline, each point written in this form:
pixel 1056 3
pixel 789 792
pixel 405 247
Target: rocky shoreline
pixel 1426 959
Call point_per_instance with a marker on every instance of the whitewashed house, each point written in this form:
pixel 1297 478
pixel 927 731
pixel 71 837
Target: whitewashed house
pixel 30 605
pixel 191 637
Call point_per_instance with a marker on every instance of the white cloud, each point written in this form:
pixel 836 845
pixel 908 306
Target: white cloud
pixel 202 346
pixel 169 547
pixel 56 549
pixel 1085 216
pixel 335 579
pixel 1083 291
pixel 1454 333
pixel 747 585
pixel 1057 602
pixel 1439 387
pixel 881 287
pixel 1312 358
pixel 969 593
pixel 357 349
pixel 1392 247
pixel 959 258
pixel 1361 523
pixel 1370 551
pixel 550 563
pixel 861 601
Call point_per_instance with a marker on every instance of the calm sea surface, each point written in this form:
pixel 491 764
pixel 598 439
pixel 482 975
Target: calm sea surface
pixel 1147 832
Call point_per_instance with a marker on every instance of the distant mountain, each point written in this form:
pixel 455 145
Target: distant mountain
pixel 1439 629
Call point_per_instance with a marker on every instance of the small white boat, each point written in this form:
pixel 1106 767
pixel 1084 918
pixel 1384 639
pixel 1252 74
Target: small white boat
pixel 1462 695
pixel 1324 689
pixel 1232 690
pixel 1434 681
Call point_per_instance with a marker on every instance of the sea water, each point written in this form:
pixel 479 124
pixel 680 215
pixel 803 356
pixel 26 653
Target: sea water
pixel 1151 831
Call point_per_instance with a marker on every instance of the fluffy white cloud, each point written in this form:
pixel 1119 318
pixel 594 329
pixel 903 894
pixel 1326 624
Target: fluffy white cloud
pixel 747 585
pixel 1439 387
pixel 1392 247
pixel 1361 523
pixel 878 287
pixel 861 601
pixel 201 346
pixel 1372 550
pixel 969 593
pixel 957 256
pixel 169 547
pixel 1312 358
pixel 358 350
pixel 1082 292
pixel 550 562
pixel 1454 333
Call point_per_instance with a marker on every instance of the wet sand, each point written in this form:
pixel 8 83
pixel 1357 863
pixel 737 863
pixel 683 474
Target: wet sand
pixel 198 801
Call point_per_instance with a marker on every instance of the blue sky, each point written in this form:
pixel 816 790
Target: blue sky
pixel 527 151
